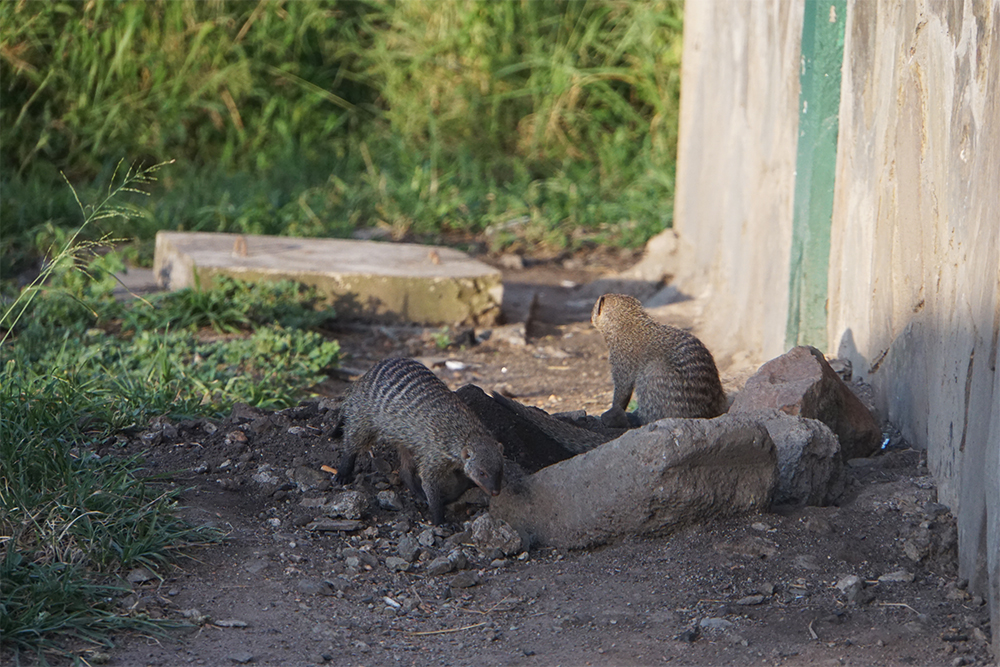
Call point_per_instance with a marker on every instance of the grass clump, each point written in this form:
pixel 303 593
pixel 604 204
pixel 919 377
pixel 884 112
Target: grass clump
pixel 537 124
pixel 78 369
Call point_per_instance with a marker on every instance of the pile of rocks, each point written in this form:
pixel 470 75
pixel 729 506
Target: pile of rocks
pixel 784 441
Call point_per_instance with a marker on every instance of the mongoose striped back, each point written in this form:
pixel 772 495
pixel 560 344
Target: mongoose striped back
pixel 443 447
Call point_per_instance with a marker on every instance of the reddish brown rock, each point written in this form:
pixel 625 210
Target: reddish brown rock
pixel 801 383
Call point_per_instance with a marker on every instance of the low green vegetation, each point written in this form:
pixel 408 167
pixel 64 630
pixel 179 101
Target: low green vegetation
pixel 78 370
pixel 511 124
pixel 529 125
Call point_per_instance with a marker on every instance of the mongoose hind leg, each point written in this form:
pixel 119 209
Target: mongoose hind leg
pixel 435 503
pixel 358 436
pixel 409 474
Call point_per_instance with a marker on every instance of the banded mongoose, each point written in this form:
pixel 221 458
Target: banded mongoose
pixel 443 448
pixel 672 372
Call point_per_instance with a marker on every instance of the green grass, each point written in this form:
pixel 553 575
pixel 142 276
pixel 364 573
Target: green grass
pixel 77 370
pixel 527 124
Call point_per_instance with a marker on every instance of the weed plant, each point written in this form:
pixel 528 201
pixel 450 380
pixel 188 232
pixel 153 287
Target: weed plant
pixel 536 123
pixel 78 369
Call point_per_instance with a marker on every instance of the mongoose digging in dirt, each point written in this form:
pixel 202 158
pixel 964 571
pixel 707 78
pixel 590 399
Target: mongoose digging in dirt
pixel 441 444
pixel 672 372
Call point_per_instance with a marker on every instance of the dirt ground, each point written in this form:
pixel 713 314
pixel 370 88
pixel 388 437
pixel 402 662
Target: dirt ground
pixel 756 590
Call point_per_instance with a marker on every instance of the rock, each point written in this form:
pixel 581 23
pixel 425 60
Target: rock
pixel 367 558
pixel 313 587
pixel 349 505
pixel 898 576
pixel 660 260
pixel 511 261
pixel 195 616
pixel 231 623
pixel 807 562
pixel 935 509
pixel 715 624
pixel 332 525
pixel 955 593
pixel 489 533
pixel 465 579
pixel 458 559
pixel 810 469
pixel 651 480
pixel 397 564
pixel 918 546
pixel 523 442
pixel 426 538
pixel 140 575
pixel 818 525
pixel 307 479
pixel 440 565
pixel 850 586
pixel 753 546
pixel 256 565
pixel 512 334
pixel 241 657
pixel 338 584
pixel 801 383
pixel 750 600
pixel 265 475
pixel 408 549
pixel 389 500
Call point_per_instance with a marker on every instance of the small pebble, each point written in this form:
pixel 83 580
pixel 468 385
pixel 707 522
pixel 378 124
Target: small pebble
pixel 465 579
pixel 750 600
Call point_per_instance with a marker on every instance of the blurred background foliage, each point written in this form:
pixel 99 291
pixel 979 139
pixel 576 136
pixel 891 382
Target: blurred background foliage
pixel 532 126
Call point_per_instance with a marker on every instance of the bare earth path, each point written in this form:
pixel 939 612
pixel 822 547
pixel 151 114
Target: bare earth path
pixel 758 590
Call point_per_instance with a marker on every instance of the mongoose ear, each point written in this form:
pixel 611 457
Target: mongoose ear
pixel 466 453
pixel 600 304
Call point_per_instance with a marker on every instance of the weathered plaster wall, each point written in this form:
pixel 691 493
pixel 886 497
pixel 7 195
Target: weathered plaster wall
pixel 914 296
pixel 914 277
pixel 736 175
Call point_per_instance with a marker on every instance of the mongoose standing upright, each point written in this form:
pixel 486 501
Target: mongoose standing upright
pixel 441 443
pixel 672 372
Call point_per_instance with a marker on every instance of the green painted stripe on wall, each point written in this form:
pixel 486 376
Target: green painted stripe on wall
pixel 815 166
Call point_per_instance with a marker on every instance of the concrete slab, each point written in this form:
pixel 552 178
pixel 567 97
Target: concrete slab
pixel 370 280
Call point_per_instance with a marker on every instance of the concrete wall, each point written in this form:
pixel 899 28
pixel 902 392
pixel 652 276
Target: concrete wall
pixel 914 296
pixel 736 167
pixel 914 273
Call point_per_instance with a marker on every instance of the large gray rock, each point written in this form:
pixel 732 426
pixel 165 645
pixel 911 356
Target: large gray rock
pixel 810 468
pixel 651 480
pixel 801 383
